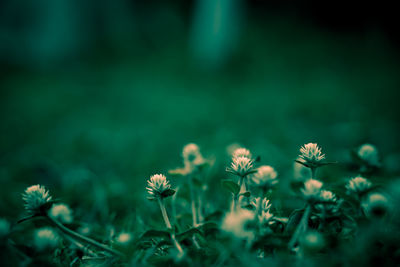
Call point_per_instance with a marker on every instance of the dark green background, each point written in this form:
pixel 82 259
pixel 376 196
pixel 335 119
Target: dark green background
pixel 108 93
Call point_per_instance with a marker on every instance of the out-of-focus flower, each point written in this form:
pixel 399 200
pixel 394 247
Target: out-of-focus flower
pixel 241 166
pixel 4 228
pixel 35 197
pixel 61 212
pixel 241 152
pixel 124 238
pixel 237 223
pixel 358 185
pixel 45 239
pixel 192 156
pixel 375 205
pixel 157 185
pixel 192 160
pixel 369 154
pixel 327 203
pixel 265 177
pixel 312 241
pixel 311 155
pixel 327 196
pixel 312 189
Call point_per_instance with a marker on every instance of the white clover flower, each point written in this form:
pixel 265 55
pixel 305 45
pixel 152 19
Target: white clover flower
pixel 35 197
pixel 328 203
pixel 45 239
pixel 192 156
pixel 124 238
pixel 358 185
pixel 62 213
pixel 369 154
pixel 312 189
pixel 327 196
pixel 157 184
pixel 241 152
pixel 265 176
pixel 375 204
pixel 311 154
pixel 264 205
pixel 4 227
pixel 237 223
pixel 241 166
pixel 265 217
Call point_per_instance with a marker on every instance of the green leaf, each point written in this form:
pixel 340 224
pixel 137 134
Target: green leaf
pixel 27 218
pixel 294 220
pixel 231 186
pixel 188 233
pixel 168 193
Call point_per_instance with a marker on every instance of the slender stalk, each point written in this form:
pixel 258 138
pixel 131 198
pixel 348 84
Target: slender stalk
pixel 301 228
pixel 168 224
pixel 199 209
pixel 194 210
pixel 193 203
pixel 236 196
pixel 246 186
pixel 81 238
pixel 313 172
pixel 164 213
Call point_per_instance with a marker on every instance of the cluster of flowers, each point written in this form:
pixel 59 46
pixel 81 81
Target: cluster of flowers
pixel 250 215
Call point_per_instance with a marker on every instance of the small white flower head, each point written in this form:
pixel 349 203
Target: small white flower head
pixel 375 205
pixel 312 241
pixel 311 154
pixel 4 228
pixel 369 154
pixel 192 156
pixel 35 197
pixel 262 208
pixel 265 217
pixel 62 213
pixel 265 177
pixel 45 239
pixel 124 238
pixel 241 152
pixel 238 222
pixel 358 185
pixel 263 204
pixel 312 189
pixel 327 203
pixel 156 186
pixel 327 196
pixel 241 166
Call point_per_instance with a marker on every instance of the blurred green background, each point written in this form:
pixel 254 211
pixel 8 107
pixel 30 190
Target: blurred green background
pixel 108 92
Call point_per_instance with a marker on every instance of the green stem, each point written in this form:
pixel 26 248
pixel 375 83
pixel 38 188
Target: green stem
pixel 193 203
pixel 168 224
pixel 313 172
pixel 81 238
pixel 236 196
pixel 164 213
pixel 301 228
